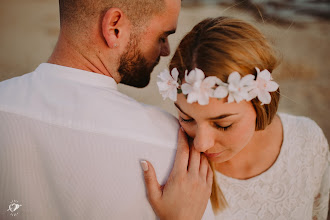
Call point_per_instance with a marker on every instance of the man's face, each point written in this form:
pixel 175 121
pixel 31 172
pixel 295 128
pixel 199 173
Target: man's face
pixel 145 49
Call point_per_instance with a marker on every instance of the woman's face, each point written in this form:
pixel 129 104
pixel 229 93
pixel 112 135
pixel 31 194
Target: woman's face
pixel 219 129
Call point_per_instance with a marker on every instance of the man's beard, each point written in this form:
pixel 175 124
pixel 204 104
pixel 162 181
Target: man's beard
pixel 134 68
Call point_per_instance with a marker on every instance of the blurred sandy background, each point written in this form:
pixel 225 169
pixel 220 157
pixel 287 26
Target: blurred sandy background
pixel 29 30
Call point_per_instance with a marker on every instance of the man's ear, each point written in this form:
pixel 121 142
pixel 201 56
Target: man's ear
pixel 115 27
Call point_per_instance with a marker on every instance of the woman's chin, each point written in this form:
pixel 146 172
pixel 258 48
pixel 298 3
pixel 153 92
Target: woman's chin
pixel 217 157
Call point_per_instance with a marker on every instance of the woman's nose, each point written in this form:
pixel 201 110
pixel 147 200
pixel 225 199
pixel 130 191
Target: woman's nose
pixel 203 140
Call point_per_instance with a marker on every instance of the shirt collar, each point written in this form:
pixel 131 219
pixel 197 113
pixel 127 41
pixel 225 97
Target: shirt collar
pixel 78 75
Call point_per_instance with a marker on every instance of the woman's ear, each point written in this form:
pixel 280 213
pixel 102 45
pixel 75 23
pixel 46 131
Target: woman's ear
pixel 115 26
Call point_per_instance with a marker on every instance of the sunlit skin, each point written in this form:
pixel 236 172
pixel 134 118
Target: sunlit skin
pixel 147 45
pixel 225 133
pixel 154 39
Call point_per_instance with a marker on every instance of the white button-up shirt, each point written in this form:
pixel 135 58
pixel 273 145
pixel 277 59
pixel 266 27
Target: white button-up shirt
pixel 71 146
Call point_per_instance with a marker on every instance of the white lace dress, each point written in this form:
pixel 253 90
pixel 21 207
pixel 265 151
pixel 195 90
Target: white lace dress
pixel 295 187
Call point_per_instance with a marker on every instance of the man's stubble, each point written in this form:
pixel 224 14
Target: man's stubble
pixel 134 68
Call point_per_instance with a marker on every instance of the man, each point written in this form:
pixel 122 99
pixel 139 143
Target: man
pixel 70 143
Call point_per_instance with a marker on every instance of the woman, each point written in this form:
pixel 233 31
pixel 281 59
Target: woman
pixel 268 165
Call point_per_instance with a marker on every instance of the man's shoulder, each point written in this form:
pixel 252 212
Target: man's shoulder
pixel 11 88
pixel 9 83
pixel 161 116
pixel 86 107
pixel 160 123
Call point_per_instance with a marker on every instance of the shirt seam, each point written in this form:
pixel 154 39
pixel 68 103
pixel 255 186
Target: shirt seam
pixel 3 109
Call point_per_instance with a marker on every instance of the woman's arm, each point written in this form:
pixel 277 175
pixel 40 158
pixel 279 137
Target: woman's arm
pixel 188 188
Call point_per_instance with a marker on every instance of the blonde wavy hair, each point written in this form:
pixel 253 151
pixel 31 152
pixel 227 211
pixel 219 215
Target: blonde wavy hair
pixel 220 46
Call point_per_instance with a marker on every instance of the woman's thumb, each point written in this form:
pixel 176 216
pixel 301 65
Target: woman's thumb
pixel 154 191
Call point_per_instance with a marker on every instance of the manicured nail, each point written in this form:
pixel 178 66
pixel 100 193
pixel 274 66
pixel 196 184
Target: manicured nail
pixel 144 165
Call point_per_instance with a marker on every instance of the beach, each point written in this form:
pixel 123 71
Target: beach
pixel 29 30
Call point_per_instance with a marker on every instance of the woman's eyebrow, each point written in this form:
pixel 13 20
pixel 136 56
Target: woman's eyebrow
pixel 178 107
pixel 222 116
pixel 214 118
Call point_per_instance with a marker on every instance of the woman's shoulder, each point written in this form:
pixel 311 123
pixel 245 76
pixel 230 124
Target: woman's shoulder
pixel 306 148
pixel 302 126
pixel 303 135
pixel 293 120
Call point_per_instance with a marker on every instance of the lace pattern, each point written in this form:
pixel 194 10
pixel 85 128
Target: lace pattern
pixel 295 187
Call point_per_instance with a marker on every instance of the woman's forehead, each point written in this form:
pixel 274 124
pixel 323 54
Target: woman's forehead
pixel 214 109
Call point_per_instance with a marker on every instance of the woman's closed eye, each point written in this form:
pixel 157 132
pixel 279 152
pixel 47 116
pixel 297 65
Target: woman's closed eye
pixel 186 120
pixel 222 128
pixel 216 125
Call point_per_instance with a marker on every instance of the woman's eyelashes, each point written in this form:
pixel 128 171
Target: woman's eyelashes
pixel 186 120
pixel 217 126
pixel 221 127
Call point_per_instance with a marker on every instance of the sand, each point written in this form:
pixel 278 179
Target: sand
pixel 29 30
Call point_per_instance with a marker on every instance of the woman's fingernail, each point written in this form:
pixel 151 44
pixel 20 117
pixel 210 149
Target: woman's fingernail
pixel 144 165
pixel 182 129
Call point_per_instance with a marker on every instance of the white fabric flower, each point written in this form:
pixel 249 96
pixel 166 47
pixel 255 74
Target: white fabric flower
pixel 169 84
pixel 238 88
pixel 263 85
pixel 198 88
pixel 221 91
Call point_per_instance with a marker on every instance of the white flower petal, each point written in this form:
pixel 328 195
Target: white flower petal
pixel 165 75
pixel 163 95
pixel 247 80
pixel 252 94
pixel 210 81
pixel 162 86
pixel 186 88
pixel 192 97
pixel 167 86
pixel 195 75
pixel 243 95
pixel 173 94
pixel 210 92
pixel 232 87
pixel 264 97
pixel 175 74
pixel 230 98
pixel 203 98
pixel 265 74
pixel 272 86
pixel 187 77
pixel 234 77
pixel 237 97
pixel 199 74
pixel 220 92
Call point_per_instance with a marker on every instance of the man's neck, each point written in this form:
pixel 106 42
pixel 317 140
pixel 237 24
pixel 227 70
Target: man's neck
pixel 67 54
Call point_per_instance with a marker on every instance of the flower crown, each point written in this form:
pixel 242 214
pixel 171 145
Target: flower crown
pixel 200 89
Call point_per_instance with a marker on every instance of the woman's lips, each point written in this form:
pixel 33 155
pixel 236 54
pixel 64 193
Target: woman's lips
pixel 212 155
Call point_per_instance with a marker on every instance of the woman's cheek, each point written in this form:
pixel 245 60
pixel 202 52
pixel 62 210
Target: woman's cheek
pixel 243 134
pixel 236 137
pixel 185 127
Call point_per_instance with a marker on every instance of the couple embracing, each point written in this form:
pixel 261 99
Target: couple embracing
pixel 72 145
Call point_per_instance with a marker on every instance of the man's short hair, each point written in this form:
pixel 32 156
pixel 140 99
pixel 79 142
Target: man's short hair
pixel 78 13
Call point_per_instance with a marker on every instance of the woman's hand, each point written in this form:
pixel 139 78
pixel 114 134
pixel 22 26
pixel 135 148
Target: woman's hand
pixel 188 188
